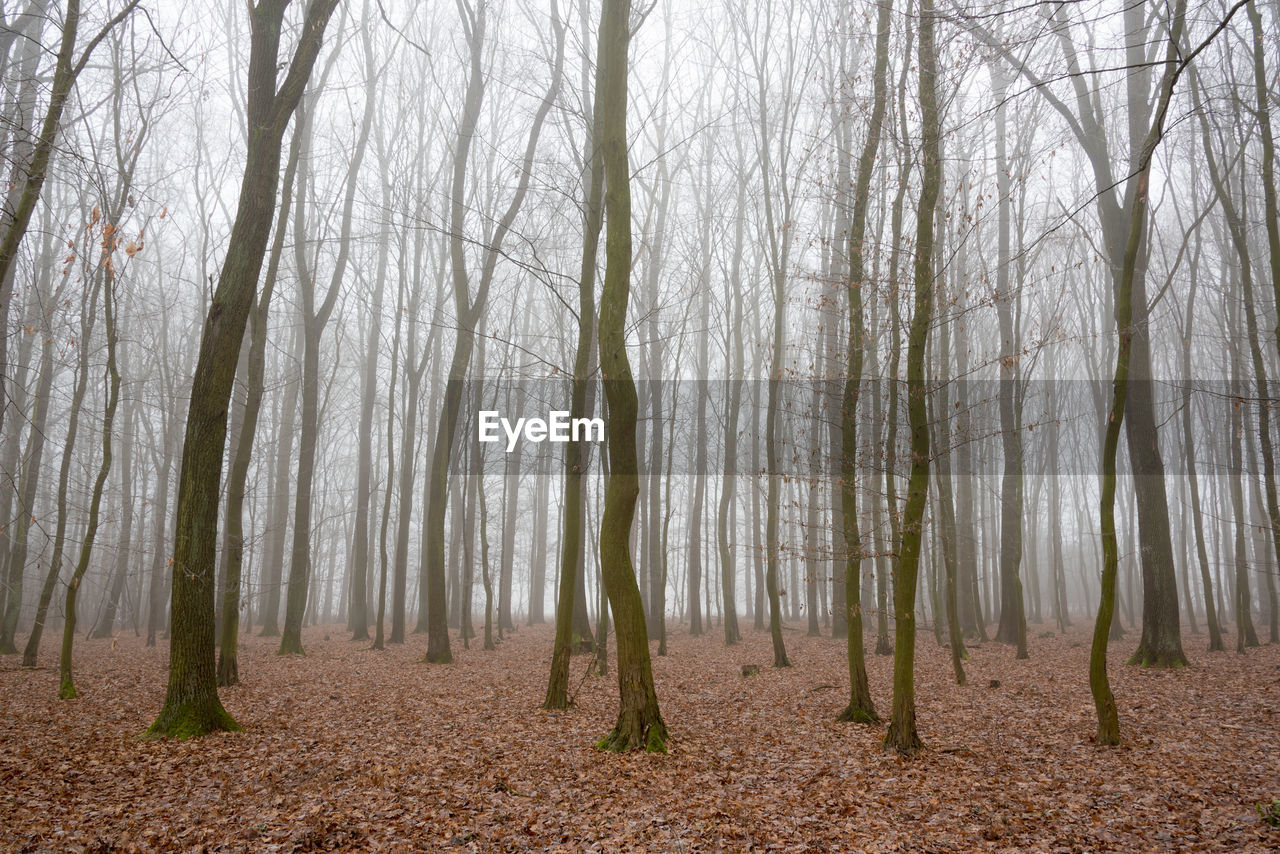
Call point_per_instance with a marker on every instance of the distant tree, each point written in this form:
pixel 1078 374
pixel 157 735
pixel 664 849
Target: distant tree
pixel 314 319
pixel 576 453
pixel 469 310
pixel 31 171
pixel 111 241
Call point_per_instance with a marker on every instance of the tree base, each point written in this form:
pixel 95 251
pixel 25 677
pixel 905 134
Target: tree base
pixel 853 714
pixel 228 672
pixel 443 657
pixel 904 740
pixel 883 646
pixel 192 719
pixel 651 738
pixel 1171 659
pixel 557 703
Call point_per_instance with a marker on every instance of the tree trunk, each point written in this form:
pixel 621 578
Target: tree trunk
pixel 861 708
pixel 1013 621
pixel 120 572
pixel 67 687
pixel 233 545
pixel 576 455
pixel 639 722
pixel 1126 294
pixel 191 704
pixel 902 735
pixel 88 315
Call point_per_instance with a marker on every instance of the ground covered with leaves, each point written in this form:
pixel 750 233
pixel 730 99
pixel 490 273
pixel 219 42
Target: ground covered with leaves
pixel 352 749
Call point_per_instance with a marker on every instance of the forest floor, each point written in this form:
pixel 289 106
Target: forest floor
pixel 352 749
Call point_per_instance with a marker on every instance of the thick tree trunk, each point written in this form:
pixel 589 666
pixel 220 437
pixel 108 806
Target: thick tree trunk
pixel 237 480
pixel 191 704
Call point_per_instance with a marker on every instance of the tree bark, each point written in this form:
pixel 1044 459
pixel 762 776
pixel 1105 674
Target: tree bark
pixel 902 735
pixel 861 708
pixel 191 706
pixel 639 723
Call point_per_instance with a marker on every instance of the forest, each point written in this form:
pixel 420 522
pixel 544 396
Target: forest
pixel 639 425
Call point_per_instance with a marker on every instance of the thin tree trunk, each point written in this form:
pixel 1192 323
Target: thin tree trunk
pixel 860 708
pixel 902 735
pixel 639 722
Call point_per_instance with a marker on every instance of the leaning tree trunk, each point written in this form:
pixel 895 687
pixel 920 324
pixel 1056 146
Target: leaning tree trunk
pixel 191 705
pixel 237 480
pixel 1126 293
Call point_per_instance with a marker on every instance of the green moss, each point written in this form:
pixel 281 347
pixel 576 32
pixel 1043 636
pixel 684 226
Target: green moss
pixel 1270 813
pixel 655 741
pixel 852 714
pixel 1165 660
pixel 67 691
pixel 192 720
